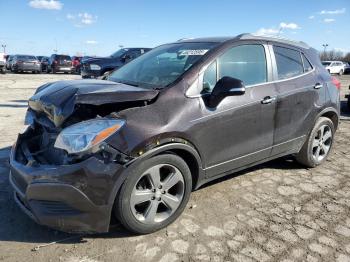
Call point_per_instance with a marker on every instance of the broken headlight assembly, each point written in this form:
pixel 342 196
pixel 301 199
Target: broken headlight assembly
pixel 87 135
pixel 95 67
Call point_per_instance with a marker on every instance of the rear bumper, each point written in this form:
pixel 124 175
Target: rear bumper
pixel 23 67
pixel 68 69
pixel 69 198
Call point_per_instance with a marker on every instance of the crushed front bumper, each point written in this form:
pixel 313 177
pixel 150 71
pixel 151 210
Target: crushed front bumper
pixel 86 72
pixel 71 198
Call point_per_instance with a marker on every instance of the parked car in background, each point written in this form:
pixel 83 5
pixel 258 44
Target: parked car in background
pixel 346 68
pixel 95 67
pixel 60 63
pixel 86 57
pixel 76 60
pixel 173 119
pixel 2 63
pixel 22 63
pixel 334 67
pixel 44 61
pixel 9 60
pixel 39 57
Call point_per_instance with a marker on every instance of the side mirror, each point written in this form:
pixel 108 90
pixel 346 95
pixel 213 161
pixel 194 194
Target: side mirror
pixel 226 86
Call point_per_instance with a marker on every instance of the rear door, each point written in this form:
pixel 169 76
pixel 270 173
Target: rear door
pixel 64 61
pixel 300 93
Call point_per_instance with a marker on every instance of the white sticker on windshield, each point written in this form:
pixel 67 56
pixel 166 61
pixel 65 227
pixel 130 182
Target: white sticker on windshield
pixel 193 52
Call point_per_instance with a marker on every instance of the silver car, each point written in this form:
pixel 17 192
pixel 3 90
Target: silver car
pixel 21 63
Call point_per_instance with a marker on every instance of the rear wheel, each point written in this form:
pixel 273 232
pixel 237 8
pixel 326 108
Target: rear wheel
pixel 154 194
pixel 318 145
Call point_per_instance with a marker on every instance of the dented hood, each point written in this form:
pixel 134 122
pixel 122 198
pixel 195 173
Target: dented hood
pixel 57 100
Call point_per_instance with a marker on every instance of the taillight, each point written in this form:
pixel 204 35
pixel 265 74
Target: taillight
pixel 336 82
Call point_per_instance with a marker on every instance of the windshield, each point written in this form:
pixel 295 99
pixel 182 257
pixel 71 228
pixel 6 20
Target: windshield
pixel 326 63
pixel 63 58
pixel 162 65
pixel 26 57
pixel 119 53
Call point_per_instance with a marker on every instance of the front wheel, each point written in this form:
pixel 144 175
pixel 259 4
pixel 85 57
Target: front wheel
pixel 154 194
pixel 318 145
pixel 341 72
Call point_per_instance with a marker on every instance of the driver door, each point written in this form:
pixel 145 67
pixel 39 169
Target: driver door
pixel 239 131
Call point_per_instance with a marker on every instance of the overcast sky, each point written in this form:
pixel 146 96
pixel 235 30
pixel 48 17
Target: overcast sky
pixel 99 27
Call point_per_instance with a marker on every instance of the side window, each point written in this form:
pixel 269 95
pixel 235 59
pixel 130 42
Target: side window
pixel 307 64
pixel 134 53
pixel 209 78
pixel 288 62
pixel 245 62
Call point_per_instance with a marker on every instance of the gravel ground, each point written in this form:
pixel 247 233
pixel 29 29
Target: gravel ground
pixel 278 211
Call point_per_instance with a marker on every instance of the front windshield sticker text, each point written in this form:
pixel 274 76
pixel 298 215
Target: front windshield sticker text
pixel 193 52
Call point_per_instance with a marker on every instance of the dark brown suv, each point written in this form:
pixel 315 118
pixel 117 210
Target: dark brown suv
pixel 60 63
pixel 183 114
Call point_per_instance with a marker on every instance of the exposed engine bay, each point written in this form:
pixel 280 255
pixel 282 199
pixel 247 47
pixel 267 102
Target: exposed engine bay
pixel 56 106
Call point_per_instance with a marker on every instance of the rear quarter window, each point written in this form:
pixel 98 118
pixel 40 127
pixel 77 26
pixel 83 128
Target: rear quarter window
pixel 288 61
pixel 307 65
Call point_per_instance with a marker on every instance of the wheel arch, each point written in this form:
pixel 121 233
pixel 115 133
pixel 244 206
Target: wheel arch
pixel 332 114
pixel 184 150
pixel 106 69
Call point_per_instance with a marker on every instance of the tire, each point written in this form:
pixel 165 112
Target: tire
pixel 308 154
pixel 348 103
pixel 105 75
pixel 135 214
pixel 341 72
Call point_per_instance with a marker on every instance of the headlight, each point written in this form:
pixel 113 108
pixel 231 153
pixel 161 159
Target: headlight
pixel 95 67
pixel 86 135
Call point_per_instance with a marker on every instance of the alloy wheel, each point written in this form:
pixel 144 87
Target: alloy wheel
pixel 322 143
pixel 157 194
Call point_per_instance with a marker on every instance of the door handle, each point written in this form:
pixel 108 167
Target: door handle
pixel 268 100
pixel 318 86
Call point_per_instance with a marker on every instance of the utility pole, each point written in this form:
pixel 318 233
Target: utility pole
pixel 4 47
pixel 324 47
pixel 55 50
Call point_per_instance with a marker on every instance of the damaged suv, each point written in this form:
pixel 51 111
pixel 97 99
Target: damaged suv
pixel 135 146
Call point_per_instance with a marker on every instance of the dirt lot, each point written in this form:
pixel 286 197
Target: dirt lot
pixel 278 211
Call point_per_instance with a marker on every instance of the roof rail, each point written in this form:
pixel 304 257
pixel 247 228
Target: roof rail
pixel 186 38
pixel 273 38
